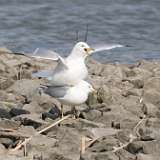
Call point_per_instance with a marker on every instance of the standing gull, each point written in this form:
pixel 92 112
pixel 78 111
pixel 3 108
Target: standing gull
pixel 70 95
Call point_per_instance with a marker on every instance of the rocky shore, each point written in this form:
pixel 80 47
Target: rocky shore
pixel 121 122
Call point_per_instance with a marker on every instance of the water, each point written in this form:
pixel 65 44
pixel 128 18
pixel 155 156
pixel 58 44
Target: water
pixel 28 24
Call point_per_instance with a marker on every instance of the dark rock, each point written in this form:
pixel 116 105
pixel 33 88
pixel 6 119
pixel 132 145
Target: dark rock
pixel 18 111
pixel 6 142
pixel 135 147
pixel 53 113
pixel 30 120
pixel 4 113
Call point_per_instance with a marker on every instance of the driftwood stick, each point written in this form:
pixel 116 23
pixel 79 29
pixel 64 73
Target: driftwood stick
pixel 132 138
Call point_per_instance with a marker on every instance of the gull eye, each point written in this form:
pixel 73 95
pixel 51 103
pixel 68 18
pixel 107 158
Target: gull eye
pixel 85 49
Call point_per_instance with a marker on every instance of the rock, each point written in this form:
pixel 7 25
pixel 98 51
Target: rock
pixel 151 147
pixel 4 113
pixel 92 99
pixel 33 107
pixel 102 132
pixel 136 81
pixel 104 144
pixel 152 96
pixel 30 120
pixel 123 136
pixel 6 142
pixel 132 92
pixel 9 124
pixel 124 155
pixel 142 156
pixel 152 83
pixel 5 83
pixel 150 130
pixel 91 115
pixel 135 147
pixel 113 72
pixel 2 149
pixel 41 145
pixel 94 67
pixel 151 110
pixel 25 87
pixel 18 111
pixel 108 95
pixel 99 156
pixel 53 113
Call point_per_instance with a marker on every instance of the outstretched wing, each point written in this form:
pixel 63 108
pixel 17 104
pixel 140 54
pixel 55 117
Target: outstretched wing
pixel 49 55
pixel 45 54
pixel 106 47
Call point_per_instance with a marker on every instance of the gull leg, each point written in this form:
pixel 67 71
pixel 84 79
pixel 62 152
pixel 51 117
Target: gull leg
pixel 62 111
pixel 75 112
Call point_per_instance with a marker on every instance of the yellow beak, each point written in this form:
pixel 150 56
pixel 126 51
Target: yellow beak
pixel 89 51
pixel 94 91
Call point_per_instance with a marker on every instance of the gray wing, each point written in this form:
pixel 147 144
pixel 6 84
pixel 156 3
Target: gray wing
pixel 56 91
pixel 43 73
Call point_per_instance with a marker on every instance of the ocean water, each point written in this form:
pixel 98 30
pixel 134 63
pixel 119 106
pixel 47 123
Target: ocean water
pixel 53 24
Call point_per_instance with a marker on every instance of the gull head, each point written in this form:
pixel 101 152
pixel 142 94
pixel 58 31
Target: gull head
pixel 87 87
pixel 82 49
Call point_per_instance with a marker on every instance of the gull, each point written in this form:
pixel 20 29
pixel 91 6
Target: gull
pixel 70 95
pixel 69 70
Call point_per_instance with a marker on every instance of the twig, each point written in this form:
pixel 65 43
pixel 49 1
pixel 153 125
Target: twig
pixel 83 145
pixel 132 138
pixel 54 124
pixel 91 142
pixel 138 124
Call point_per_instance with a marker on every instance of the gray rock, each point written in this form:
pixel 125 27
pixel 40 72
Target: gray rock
pixel 4 113
pixel 142 156
pixel 25 87
pixel 151 110
pixel 6 142
pixel 104 144
pixel 18 111
pixel 99 156
pixel 151 147
pixel 9 124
